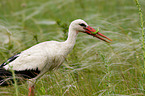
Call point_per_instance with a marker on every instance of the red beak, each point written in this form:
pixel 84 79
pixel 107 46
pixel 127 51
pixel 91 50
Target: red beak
pixel 90 30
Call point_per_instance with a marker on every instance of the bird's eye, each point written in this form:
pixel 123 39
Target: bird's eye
pixel 82 24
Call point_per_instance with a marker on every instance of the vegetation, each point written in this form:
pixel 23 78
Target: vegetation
pixel 94 68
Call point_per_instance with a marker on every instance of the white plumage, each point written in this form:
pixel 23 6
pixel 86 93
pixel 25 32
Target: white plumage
pixel 49 55
pixel 37 56
pixel 46 54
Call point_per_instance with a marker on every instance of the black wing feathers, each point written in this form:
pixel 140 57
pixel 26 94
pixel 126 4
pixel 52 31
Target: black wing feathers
pixel 10 60
pixel 6 75
pixel 7 79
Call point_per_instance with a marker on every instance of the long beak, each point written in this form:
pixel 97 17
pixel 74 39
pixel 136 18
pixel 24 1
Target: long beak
pixel 91 31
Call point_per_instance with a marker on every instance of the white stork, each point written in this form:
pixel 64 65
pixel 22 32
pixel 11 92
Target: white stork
pixel 34 62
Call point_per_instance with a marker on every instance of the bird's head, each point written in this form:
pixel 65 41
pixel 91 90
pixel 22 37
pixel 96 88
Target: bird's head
pixel 81 26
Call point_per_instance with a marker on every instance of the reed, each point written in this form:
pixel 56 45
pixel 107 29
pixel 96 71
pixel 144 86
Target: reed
pixel 15 82
pixel 142 34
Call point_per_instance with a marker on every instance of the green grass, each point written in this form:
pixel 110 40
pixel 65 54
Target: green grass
pixel 94 67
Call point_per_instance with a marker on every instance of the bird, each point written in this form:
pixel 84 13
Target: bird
pixel 34 62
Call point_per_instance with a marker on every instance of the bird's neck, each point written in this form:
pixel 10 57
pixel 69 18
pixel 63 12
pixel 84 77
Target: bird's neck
pixel 72 34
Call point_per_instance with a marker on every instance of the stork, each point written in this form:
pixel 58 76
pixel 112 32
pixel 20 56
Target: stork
pixel 34 62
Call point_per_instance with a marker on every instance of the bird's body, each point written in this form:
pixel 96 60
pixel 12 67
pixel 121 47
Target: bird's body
pixel 45 56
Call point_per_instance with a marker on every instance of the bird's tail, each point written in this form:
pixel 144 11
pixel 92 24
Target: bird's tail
pixel 5 77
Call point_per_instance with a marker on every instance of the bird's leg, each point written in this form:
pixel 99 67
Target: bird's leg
pixel 31 87
pixel 32 82
pixel 31 91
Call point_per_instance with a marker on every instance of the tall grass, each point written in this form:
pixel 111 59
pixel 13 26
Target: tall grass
pixel 15 83
pixel 142 34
